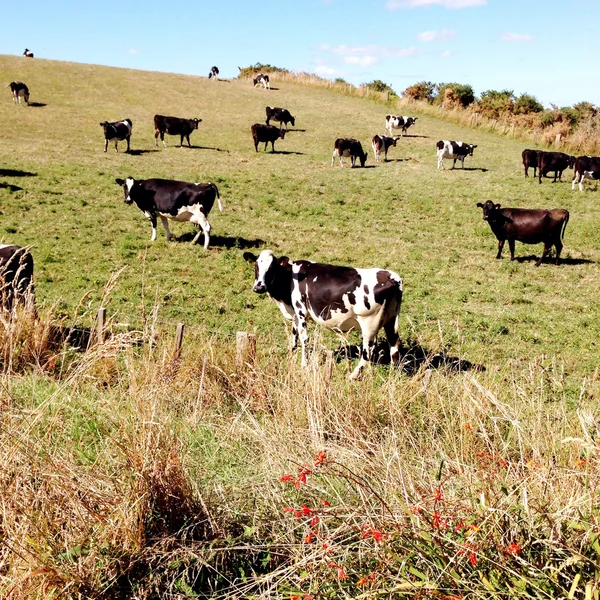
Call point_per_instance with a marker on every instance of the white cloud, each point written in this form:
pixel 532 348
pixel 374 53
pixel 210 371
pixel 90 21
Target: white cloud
pixel 446 54
pixel 451 4
pixel 133 51
pixel 436 36
pixel 363 61
pixel 516 37
pixel 324 70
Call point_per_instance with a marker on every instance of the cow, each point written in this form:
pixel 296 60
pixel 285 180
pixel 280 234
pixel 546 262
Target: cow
pixel 266 134
pixel 119 130
pixel 529 226
pixel 336 297
pixel 19 90
pixel 554 161
pixel 263 80
pixel 173 200
pixel 348 147
pixel 28 53
pixel 530 159
pixel 382 142
pixel 214 72
pixel 453 150
pixel 394 122
pixel 16 277
pixel 280 115
pixel 585 167
pixel 174 126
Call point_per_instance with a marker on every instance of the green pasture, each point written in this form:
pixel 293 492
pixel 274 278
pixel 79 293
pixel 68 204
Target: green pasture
pixel 58 194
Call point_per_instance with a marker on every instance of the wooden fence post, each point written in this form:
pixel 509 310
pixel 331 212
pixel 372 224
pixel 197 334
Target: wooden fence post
pixel 100 325
pixel 178 340
pixel 557 140
pixel 245 349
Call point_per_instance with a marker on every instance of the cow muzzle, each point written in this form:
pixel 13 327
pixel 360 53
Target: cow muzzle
pixel 259 287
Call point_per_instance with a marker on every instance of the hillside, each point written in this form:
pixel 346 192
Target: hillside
pixel 225 438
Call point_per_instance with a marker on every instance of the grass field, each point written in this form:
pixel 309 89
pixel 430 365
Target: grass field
pixel 224 439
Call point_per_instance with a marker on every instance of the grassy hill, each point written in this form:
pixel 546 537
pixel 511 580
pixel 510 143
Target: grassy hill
pixel 222 440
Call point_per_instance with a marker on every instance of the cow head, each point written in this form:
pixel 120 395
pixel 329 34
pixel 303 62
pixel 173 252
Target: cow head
pixel 572 160
pixel 282 133
pixel 195 122
pixel 266 265
pixel 489 210
pixel 363 158
pixel 127 185
pixel 293 121
pixel 471 147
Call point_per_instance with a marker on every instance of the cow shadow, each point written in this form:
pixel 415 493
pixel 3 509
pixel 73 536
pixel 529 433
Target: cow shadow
pixel 483 170
pixel 11 187
pixel 37 104
pixel 410 135
pixel 223 241
pixel 288 152
pixel 550 260
pixel 140 152
pixel 210 148
pixel 16 173
pixel 290 130
pixel 390 160
pixel 412 359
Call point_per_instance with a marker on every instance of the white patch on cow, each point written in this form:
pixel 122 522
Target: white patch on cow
pixel 459 144
pixel 317 277
pixel 129 184
pixel 6 245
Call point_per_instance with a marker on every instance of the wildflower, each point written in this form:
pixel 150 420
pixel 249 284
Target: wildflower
pixel 325 503
pixel 314 521
pixel 287 478
pixel 437 519
pixel 320 458
pixel 513 549
pixel 472 558
pixel 288 509
pixel 460 525
pixel 363 581
pixel 503 463
pixel 377 535
pixel 468 427
pixel 415 510
pixel 341 573
pixel 438 495
pixel 327 549
pixel 308 538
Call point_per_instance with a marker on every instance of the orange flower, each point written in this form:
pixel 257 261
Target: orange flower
pixel 377 535
pixel 362 581
pixel 325 503
pixel 437 519
pixel 468 427
pixel 341 573
pixel 314 521
pixel 308 538
pixel 438 495
pixel 320 458
pixel 287 478
pixel 513 549
pixel 472 558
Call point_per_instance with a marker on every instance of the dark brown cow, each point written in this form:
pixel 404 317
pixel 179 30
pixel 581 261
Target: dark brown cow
pixel 174 126
pixel 266 134
pixel 530 160
pixel 529 226
pixel 554 161
pixel 16 276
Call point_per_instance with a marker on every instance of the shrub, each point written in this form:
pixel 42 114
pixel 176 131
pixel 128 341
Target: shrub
pixel 379 86
pixel 424 90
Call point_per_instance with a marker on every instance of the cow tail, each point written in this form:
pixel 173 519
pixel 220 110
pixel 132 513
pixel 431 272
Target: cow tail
pixel 218 196
pixel 562 233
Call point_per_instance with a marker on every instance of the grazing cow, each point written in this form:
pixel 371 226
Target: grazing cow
pixel 28 53
pixel 453 150
pixel 174 200
pixel 266 134
pixel 530 226
pixel 174 126
pixel 382 142
pixel 530 159
pixel 214 72
pixel 393 122
pixel 263 80
pixel 19 90
pixel 280 115
pixel 339 298
pixel 348 147
pixel 585 167
pixel 16 276
pixel 554 161
pixel 119 130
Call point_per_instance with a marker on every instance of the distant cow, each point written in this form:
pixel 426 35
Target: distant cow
pixel 348 147
pixel 585 167
pixel 263 80
pixel 28 53
pixel 339 298
pixel 280 115
pixel 174 126
pixel 214 72
pixel 530 160
pixel 266 134
pixel 394 122
pixel 16 277
pixel 382 142
pixel 119 130
pixel 554 161
pixel 173 200
pixel 453 150
pixel 530 226
pixel 19 90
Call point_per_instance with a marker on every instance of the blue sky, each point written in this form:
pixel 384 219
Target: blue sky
pixel 532 46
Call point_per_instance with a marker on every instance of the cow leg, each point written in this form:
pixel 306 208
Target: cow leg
pixel 511 247
pixel 266 144
pixel 128 138
pixel 156 134
pixel 391 333
pixel 547 247
pixel 272 146
pixel 369 339
pixel 559 246
pixel 181 141
pixel 105 145
pixel 116 145
pixel 500 246
pixel 300 321
pixel 200 220
pixel 165 223
pixel 188 139
pixel 153 223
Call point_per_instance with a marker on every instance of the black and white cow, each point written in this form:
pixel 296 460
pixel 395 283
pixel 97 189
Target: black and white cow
pixel 348 147
pixel 266 133
pixel 119 130
pixel 214 72
pixel 174 126
pixel 28 53
pixel 173 200
pixel 16 277
pixel 585 167
pixel 263 80
pixel 280 115
pixel 394 122
pixel 19 90
pixel 453 150
pixel 382 142
pixel 339 298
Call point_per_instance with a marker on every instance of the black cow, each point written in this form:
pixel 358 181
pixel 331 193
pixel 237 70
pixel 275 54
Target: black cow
pixel 530 160
pixel 19 90
pixel 16 277
pixel 382 142
pixel 348 147
pixel 174 126
pixel 453 150
pixel 585 167
pixel 266 134
pixel 340 298
pixel 119 130
pixel 280 115
pixel 263 80
pixel 214 72
pixel 173 200
pixel 394 122
pixel 28 53
pixel 530 226
pixel 554 161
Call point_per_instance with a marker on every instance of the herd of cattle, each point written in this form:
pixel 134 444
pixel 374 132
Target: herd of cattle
pixel 336 297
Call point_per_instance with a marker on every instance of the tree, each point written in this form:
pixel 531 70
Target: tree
pixel 454 94
pixel 494 103
pixel 424 90
pixel 379 86
pixel 526 104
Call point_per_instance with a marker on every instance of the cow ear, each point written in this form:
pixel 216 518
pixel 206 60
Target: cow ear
pixel 249 257
pixel 120 181
pixel 283 261
pixel 480 205
pixel 497 206
pixel 474 145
